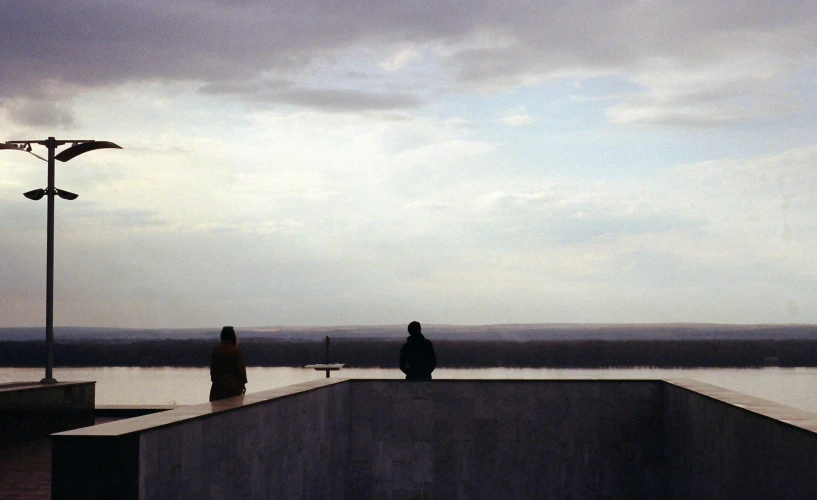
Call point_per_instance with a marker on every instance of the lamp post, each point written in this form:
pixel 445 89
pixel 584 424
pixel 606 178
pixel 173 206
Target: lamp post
pixel 77 148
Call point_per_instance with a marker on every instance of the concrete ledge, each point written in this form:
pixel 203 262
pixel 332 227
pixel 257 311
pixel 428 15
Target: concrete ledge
pixel 181 414
pixel 234 446
pixel 129 411
pixel 31 410
pixel 722 444
pixel 777 412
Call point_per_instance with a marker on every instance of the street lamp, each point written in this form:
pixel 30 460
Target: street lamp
pixel 77 148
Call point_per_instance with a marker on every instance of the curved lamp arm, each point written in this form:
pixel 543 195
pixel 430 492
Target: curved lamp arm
pixel 84 147
pixel 14 147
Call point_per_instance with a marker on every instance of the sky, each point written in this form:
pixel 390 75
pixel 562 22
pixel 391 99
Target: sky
pixel 317 162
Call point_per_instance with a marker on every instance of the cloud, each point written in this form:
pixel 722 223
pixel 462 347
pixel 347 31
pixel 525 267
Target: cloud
pixel 87 215
pixel 347 100
pixel 273 245
pixel 427 205
pixel 87 44
pixel 46 111
pixel 399 59
pixel 516 120
pixel 568 213
pixel 749 87
pixel 503 200
pixel 326 99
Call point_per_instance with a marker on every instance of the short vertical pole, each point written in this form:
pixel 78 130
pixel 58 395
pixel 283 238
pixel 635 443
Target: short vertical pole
pixel 326 356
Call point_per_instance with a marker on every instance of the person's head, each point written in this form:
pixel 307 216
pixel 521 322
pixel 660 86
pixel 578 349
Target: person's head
pixel 228 335
pixel 414 328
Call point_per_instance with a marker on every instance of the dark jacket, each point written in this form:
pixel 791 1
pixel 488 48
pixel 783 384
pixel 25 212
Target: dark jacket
pixel 417 358
pixel 227 372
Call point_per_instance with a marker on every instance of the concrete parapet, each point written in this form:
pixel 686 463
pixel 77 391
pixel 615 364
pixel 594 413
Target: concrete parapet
pixel 395 439
pixel 31 410
pixel 505 439
pixel 723 444
pixel 283 443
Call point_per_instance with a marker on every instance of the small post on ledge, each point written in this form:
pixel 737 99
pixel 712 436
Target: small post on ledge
pixel 326 358
pixel 326 365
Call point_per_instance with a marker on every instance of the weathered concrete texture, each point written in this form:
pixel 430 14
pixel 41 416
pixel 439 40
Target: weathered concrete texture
pixel 505 439
pixel 289 448
pixel 451 439
pixel 284 443
pixel 31 411
pixel 726 447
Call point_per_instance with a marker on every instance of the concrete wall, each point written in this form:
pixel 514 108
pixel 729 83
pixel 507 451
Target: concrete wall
pixel 505 439
pixel 723 444
pixel 32 410
pixel 395 439
pixel 283 443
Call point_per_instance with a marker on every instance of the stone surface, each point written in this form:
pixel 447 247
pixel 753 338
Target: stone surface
pixel 452 439
pixel 506 439
pixel 721 444
pixel 283 443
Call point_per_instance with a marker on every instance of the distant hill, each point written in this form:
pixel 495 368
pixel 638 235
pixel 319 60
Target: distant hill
pixel 543 345
pixel 482 333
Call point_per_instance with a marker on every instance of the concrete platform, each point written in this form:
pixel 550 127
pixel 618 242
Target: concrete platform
pixel 25 468
pixel 25 471
pixel 31 410
pixel 396 439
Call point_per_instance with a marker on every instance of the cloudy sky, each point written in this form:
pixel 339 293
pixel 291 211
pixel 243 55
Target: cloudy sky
pixel 316 162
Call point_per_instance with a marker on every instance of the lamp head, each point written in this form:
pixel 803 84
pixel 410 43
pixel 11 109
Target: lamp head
pixel 35 194
pixel 78 148
pixel 66 195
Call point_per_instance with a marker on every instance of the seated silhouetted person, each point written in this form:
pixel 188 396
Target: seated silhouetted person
pixel 417 358
pixel 227 370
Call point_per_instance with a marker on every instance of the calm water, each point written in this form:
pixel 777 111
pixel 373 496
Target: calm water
pixel 171 386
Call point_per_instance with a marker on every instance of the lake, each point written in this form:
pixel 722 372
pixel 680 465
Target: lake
pixel 182 386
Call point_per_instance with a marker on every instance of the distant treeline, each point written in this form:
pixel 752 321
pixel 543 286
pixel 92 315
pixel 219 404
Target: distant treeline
pixel 450 353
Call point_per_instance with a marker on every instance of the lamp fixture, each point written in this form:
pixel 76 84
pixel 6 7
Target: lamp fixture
pixel 35 194
pixel 77 148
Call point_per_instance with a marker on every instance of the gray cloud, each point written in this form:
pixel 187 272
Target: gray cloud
pixel 120 218
pixel 23 215
pixel 347 100
pixel 569 228
pixel 19 214
pixel 56 48
pixel 40 112
pixel 325 99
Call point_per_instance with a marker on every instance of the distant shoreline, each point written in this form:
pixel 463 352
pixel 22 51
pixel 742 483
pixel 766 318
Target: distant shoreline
pixel 383 353
pixel 498 332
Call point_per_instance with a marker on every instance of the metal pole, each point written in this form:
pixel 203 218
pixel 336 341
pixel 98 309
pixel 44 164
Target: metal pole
pixel 79 147
pixel 51 144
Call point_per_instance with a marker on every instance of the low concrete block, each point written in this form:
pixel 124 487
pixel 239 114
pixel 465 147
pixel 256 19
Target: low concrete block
pixel 33 410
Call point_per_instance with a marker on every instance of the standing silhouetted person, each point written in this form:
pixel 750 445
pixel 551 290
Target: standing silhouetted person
pixel 417 358
pixel 227 370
